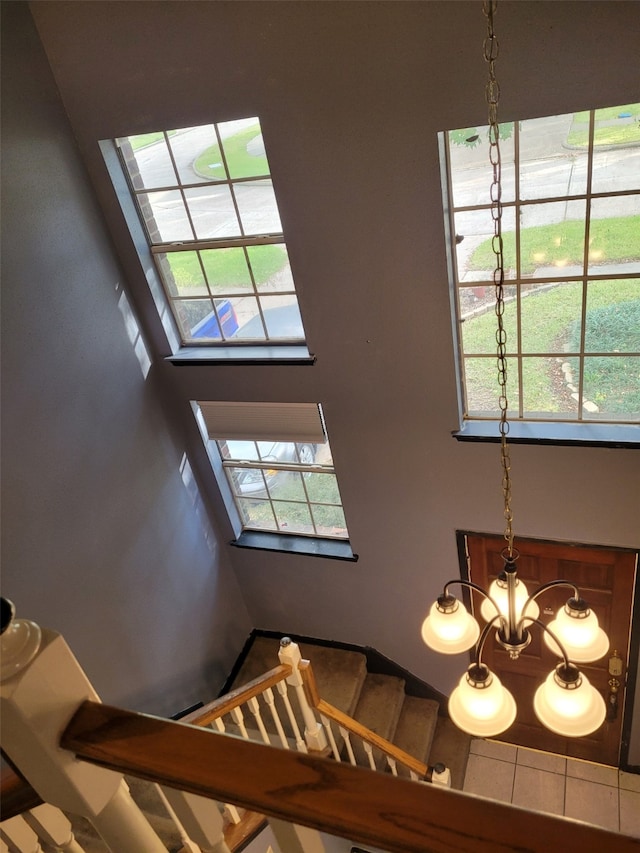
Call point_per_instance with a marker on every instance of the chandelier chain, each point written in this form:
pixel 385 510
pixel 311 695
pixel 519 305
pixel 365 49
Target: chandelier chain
pixel 492 92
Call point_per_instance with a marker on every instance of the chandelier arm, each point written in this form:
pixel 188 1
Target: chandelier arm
pixel 544 588
pixel 485 633
pixel 482 591
pixel 555 638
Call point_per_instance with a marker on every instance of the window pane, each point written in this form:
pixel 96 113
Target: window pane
pixel 148 161
pixel 548 167
pixel 250 326
pixel 244 149
pixel 323 488
pixel 614 239
pixel 197 319
pixel 479 329
pixel 483 390
pixel 256 514
pixel 616 156
pixel 212 212
pixel 270 266
pixel 550 317
pixel 182 273
pixel 546 392
pixel 226 269
pixel 474 253
pixel 612 386
pixel 194 151
pixel 282 317
pixel 248 482
pixel 241 451
pixel 552 238
pixel 471 172
pixel 613 316
pixel 329 521
pixel 293 517
pixel 257 207
pixel 165 216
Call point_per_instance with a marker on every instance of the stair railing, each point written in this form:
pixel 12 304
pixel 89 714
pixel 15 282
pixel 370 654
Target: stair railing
pixel 371 742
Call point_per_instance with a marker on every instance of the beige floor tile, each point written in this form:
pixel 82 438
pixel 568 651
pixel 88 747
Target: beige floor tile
pixel 494 749
pixel 591 802
pixel 630 813
pixel 542 760
pixel 592 772
pixel 489 777
pixel 629 781
pixel 538 790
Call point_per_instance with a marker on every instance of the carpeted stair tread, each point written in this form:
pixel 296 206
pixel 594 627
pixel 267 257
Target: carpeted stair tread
pixel 378 708
pixel 451 747
pixel 339 673
pixel 416 728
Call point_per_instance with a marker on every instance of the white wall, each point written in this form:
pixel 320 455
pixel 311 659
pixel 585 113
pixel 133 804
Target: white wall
pixel 102 539
pixel 351 96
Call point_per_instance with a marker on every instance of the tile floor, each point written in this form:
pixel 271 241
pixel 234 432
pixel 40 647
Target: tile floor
pixel 552 783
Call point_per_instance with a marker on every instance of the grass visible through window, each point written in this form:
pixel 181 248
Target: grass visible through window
pixel 241 163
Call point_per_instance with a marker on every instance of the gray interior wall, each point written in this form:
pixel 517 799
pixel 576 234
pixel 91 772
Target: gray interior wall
pixel 102 537
pixel 351 97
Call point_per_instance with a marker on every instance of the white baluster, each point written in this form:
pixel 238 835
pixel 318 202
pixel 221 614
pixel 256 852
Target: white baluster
pixel 254 707
pixel 19 835
pixel 36 708
pixel 281 687
pixel 201 819
pixel 369 750
pixel 413 775
pixel 53 827
pixel 392 765
pixel 313 731
pixel 231 810
pixel 326 722
pixel 232 813
pixel 347 743
pixel 271 704
pixel 187 844
pixel 238 719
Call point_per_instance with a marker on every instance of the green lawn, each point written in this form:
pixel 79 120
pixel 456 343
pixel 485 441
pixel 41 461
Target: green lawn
pixel 144 139
pixel 611 240
pixel 241 163
pixel 226 268
pixel 548 326
pixel 622 132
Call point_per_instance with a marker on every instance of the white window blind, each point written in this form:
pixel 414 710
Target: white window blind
pixel 300 422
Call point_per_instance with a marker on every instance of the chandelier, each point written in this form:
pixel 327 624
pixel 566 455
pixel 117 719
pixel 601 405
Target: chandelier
pixel 566 703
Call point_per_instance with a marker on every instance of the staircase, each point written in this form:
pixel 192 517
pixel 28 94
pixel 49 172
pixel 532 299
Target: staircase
pixel 382 702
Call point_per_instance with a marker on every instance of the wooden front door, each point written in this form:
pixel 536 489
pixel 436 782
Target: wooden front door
pixel 606 579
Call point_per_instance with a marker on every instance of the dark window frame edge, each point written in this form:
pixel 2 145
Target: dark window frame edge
pixel 258 540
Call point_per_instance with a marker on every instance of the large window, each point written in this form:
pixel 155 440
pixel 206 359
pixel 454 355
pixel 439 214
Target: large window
pixel 571 227
pixel 206 199
pixel 278 466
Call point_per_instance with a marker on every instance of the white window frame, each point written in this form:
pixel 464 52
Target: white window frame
pixel 619 432
pixel 297 424
pixel 270 347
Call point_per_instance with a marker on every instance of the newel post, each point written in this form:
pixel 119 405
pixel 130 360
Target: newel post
pixel 314 735
pixel 41 687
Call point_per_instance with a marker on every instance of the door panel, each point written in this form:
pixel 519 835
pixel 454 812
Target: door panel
pixel 606 580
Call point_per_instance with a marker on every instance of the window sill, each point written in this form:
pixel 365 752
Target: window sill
pixel 259 354
pixel 332 549
pixel 548 432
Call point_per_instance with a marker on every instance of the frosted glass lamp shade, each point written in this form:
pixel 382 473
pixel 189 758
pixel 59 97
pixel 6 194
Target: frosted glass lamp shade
pixel 482 709
pixel 498 591
pixel 450 632
pixel 571 711
pixel 580 635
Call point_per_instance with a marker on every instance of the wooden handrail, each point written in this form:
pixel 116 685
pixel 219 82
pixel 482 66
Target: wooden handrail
pixel 212 710
pixel 356 728
pixel 16 794
pixel 369 808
